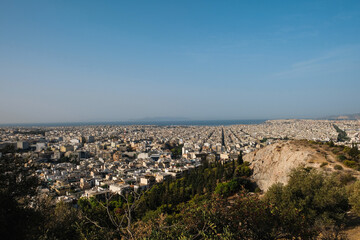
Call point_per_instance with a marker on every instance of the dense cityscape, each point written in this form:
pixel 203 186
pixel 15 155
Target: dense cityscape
pixel 87 161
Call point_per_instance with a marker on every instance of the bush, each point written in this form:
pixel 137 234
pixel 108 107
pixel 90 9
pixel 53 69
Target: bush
pixel 338 167
pixel 354 197
pixel 228 188
pixel 341 157
pixel 354 152
pixel 323 164
pixel 310 200
pixel 243 170
pixel 344 178
pixel 350 164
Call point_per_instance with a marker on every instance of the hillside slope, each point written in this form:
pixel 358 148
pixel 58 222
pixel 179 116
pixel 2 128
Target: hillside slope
pixel 273 163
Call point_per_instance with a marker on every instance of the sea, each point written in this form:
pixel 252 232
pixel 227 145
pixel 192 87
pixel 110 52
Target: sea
pixel 154 123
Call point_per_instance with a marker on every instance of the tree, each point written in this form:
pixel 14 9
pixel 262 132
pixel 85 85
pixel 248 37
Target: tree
pixel 177 151
pixel 243 170
pixel 240 158
pixel 17 189
pixel 242 217
pixel 309 200
pixel 354 197
pixel 59 221
pixel 354 152
pixel 110 219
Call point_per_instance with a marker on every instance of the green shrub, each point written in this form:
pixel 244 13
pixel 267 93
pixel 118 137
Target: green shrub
pixel 350 164
pixel 310 199
pixel 338 167
pixel 228 188
pixel 344 178
pixel 354 197
pixel 346 149
pixel 341 157
pixel 243 170
pixel 323 164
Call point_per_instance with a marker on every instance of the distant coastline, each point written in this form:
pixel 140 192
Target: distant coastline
pixel 145 122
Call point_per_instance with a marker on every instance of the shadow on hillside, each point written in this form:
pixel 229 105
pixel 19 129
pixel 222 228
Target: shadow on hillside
pixel 352 228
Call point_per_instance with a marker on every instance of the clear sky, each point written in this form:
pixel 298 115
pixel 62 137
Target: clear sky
pixel 68 61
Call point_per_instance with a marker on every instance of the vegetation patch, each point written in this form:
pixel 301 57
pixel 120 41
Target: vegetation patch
pixel 349 156
pixel 214 201
pixel 338 167
pixel 324 164
pixel 342 136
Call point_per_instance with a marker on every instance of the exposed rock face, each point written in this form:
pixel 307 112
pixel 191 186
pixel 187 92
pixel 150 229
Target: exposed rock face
pixel 273 163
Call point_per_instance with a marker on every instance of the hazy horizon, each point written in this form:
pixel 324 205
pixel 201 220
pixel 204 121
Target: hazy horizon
pixel 92 61
pixel 165 121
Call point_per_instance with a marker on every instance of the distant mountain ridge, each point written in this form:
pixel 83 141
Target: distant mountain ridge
pixel 159 119
pixel 354 116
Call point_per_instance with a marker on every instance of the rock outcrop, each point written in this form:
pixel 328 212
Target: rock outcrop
pixel 273 163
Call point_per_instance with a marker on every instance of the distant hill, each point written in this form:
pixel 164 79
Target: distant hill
pixel 159 119
pixel 355 116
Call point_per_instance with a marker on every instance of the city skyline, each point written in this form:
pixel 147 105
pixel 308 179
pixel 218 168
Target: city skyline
pixel 90 61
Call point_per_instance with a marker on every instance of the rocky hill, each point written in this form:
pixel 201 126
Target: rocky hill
pixel 274 162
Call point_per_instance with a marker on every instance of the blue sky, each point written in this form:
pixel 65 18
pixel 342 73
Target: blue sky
pixel 66 61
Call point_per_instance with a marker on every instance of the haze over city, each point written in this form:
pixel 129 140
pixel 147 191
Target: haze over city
pixel 69 61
